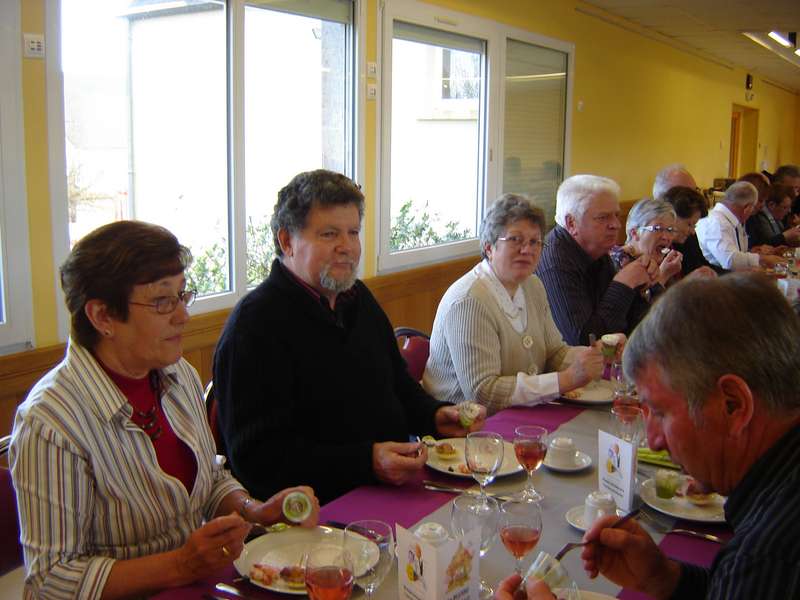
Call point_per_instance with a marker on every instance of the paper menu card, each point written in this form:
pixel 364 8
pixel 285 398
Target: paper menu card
pixel 448 571
pixel 616 470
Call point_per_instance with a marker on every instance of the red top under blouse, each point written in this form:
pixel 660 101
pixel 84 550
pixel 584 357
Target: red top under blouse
pixel 174 456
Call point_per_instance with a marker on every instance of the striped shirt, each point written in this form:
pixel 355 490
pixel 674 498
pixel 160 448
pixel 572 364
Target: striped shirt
pixel 89 487
pixel 581 291
pixel 762 559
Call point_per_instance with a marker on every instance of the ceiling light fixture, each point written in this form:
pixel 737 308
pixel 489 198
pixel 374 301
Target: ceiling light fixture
pixel 780 39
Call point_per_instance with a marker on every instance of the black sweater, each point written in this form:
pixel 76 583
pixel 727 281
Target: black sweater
pixel 302 399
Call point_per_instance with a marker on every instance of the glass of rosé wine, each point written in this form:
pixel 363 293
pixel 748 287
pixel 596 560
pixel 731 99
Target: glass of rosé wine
pixel 530 446
pixel 328 572
pixel 520 527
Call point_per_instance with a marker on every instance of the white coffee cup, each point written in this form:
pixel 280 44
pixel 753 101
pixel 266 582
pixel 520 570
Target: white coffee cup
pixel 562 452
pixel 598 504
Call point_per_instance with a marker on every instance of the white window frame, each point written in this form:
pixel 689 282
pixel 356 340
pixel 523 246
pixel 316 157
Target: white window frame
pixel 496 35
pixel 236 151
pixel 16 332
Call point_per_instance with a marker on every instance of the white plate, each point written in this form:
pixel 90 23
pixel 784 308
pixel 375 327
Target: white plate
pixel 508 467
pixel 585 595
pixel 582 460
pixel 681 508
pixel 597 392
pixel 574 517
pixel 286 548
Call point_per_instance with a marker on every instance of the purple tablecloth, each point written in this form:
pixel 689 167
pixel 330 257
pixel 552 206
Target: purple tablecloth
pixel 410 503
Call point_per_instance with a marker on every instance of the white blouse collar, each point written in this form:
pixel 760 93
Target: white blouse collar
pixel 514 308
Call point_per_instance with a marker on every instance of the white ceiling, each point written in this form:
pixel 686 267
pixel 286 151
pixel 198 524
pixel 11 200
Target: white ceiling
pixel 714 28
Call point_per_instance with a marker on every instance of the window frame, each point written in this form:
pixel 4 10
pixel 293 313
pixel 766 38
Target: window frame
pixel 237 221
pixel 16 332
pixel 496 35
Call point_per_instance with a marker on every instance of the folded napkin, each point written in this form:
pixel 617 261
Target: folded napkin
pixel 657 457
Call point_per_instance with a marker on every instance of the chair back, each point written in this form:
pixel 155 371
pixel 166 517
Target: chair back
pixel 213 417
pixel 415 347
pixel 10 549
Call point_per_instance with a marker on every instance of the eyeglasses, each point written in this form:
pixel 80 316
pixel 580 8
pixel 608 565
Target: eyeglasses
pixel 658 228
pixel 518 242
pixel 167 304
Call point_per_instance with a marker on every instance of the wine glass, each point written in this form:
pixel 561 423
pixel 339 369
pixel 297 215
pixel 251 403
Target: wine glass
pixel 483 451
pixel 530 446
pixel 329 572
pixel 470 512
pixel 628 422
pixel 520 527
pixel 371 544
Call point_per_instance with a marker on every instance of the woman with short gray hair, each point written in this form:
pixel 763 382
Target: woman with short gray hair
pixel 494 340
pixel 650 229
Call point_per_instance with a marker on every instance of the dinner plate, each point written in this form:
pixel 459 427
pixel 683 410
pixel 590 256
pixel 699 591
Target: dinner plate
pixel 509 465
pixel 286 548
pixel 586 595
pixel 681 508
pixel 596 392
pixel 582 460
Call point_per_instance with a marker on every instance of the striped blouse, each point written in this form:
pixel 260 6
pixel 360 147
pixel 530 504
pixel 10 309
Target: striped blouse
pixel 89 487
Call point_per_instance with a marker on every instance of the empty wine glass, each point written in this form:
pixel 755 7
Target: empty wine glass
pixel 483 451
pixel 328 572
pixel 530 446
pixel 371 544
pixel 520 527
pixel 471 512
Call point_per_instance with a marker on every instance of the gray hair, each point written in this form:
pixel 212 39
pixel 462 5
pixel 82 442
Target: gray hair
pixel 702 329
pixel 645 212
pixel 741 193
pixel 507 209
pixel 664 181
pixel 575 192
pixel 321 188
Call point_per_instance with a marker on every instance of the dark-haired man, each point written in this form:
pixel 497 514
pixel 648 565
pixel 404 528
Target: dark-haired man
pixel 310 382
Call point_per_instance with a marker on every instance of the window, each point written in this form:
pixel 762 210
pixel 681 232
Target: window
pixel 194 115
pixel 15 293
pixel 455 89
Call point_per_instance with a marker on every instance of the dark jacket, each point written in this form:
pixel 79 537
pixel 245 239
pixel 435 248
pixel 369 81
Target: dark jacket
pixel 303 395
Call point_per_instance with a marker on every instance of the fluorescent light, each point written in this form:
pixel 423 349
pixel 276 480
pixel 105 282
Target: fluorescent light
pixel 797 52
pixel 780 39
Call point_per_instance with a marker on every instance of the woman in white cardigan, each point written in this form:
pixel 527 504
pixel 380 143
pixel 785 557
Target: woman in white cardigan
pixel 494 340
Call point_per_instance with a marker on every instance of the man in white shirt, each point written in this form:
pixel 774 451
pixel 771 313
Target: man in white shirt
pixel 722 235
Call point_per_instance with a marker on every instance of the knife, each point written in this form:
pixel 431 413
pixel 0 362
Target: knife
pixel 229 589
pixel 440 487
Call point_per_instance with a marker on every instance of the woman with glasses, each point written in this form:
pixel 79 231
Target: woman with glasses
pixel 650 229
pixel 119 491
pixel 494 340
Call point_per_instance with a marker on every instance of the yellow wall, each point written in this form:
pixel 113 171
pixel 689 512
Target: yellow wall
pixel 645 104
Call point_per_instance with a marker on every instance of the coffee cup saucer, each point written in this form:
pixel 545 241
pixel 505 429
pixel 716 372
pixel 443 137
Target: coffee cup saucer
pixel 582 461
pixel 574 517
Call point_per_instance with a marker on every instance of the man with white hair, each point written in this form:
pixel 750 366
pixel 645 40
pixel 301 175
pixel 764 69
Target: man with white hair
pixel 587 296
pixel 672 176
pixel 722 234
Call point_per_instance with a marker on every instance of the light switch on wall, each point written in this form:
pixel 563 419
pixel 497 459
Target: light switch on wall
pixel 33 45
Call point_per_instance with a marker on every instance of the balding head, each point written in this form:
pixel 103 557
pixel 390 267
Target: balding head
pixel 672 176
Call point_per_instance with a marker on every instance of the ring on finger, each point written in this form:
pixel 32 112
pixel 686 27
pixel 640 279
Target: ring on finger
pixel 225 552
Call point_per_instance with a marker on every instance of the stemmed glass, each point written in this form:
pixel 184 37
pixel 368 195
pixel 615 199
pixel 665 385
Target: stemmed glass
pixel 371 544
pixel 483 451
pixel 471 512
pixel 520 527
pixel 530 446
pixel 329 572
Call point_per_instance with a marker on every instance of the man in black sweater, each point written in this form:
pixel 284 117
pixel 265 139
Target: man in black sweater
pixel 310 383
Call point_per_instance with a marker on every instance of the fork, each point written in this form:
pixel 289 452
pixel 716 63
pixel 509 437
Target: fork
pixel 660 527
pixel 572 545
